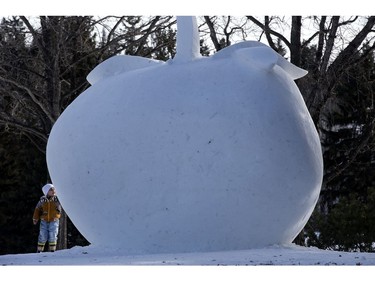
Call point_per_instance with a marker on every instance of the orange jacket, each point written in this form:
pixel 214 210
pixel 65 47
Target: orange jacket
pixel 47 209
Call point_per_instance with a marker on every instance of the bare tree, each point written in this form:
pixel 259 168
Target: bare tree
pixel 223 30
pixel 335 44
pixel 328 65
pixel 47 91
pixel 40 98
pixel 39 84
pixel 334 53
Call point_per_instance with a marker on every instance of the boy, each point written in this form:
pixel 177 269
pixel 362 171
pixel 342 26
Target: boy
pixel 48 210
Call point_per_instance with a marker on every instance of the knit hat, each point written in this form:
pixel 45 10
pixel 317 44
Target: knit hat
pixel 46 188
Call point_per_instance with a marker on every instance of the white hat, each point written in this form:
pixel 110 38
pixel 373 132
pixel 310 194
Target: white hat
pixel 46 188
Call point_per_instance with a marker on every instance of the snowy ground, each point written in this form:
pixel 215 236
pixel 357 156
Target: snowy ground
pixel 294 261
pixel 291 255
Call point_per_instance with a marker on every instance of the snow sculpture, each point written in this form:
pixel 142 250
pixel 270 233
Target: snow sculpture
pixel 194 154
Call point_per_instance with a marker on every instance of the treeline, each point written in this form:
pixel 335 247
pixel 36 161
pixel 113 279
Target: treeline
pixel 44 62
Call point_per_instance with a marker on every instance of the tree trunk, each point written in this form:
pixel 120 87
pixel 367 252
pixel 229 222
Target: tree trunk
pixel 295 41
pixel 213 33
pixel 62 242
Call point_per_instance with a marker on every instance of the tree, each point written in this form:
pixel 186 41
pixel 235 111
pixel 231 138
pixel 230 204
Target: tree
pixel 42 78
pixel 43 68
pixel 133 35
pixel 54 66
pixel 332 60
pixel 329 62
pixel 21 169
pixel 344 216
pixel 340 101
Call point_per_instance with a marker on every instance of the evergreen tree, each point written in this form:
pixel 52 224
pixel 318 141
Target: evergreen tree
pixel 163 44
pixel 22 173
pixel 280 48
pixel 39 77
pixel 344 217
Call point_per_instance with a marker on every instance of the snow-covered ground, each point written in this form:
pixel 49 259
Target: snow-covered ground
pixel 276 255
pixel 292 262
pixel 291 255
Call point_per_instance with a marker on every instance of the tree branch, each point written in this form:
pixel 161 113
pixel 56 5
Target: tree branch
pixel 23 128
pixel 143 39
pixel 31 95
pixel 269 31
pixel 330 43
pixel 346 56
pixel 227 34
pixel 33 33
pixel 213 36
pixel 319 51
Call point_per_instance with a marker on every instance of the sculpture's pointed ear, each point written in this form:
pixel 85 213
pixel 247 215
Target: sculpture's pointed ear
pixel 266 58
pixel 294 72
pixel 261 57
pixel 117 65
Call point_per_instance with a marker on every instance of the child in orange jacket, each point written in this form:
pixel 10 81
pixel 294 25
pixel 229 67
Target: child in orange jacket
pixel 48 210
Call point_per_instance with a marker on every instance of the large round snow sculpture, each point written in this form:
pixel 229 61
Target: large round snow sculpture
pixel 195 154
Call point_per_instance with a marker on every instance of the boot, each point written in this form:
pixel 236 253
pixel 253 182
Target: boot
pixel 40 247
pixel 52 246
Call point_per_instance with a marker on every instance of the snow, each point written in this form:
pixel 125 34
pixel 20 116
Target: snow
pixel 188 43
pixel 290 262
pixel 272 255
pixel 193 155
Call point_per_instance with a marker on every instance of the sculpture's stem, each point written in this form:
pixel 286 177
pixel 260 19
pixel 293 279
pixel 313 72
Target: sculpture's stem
pixel 188 47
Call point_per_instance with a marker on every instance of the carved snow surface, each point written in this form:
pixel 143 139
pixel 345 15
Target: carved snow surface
pixel 195 154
